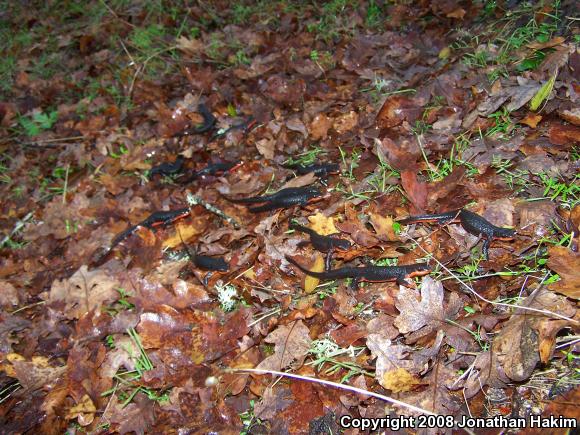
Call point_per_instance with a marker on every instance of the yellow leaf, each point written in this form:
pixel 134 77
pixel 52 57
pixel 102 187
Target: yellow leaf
pixel 322 224
pixel 399 380
pixel 445 52
pixel 187 232
pixel 84 411
pixel 250 273
pixel 310 282
pixel 543 93
pixel 383 226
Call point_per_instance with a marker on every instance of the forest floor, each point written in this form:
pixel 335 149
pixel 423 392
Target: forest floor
pixel 139 293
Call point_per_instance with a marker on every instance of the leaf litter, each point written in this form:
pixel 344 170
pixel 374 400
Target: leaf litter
pixel 425 107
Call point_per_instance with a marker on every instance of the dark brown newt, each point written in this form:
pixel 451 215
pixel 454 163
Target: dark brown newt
pixel 214 169
pixel 326 244
pixel 321 170
pixel 167 168
pixel 155 219
pixel 246 125
pixel 205 262
pixel 471 222
pixel 400 274
pixel 208 122
pixel 282 199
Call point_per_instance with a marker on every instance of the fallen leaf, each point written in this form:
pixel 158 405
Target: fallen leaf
pixel 319 126
pixel 35 374
pixel 300 181
pixel 543 93
pixel 572 115
pixel 395 110
pixel 531 119
pixel 457 13
pixel 399 380
pixel 548 44
pixel 273 401
pixel 416 190
pixel 310 282
pixel 136 417
pixel 185 232
pixel 322 224
pixel 517 344
pixel 565 263
pixel 84 411
pixel 383 226
pixel 8 294
pixel 291 344
pixel 266 147
pixel 429 312
pixel 84 291
pixel 10 324
pixel 389 356
pixel 346 122
pixel 190 46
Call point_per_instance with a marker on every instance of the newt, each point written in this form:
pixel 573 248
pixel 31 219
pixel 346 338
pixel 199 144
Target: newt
pixel 205 262
pixel 321 170
pixel 282 199
pixel 471 222
pixel 208 122
pixel 326 244
pixel 155 219
pixel 214 169
pixel 400 274
pixel 246 125
pixel 167 168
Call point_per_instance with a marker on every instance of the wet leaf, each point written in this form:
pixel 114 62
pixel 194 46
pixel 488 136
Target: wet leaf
pixel 429 311
pixel 310 282
pixel 291 344
pixel 322 224
pixel 565 263
pixel 399 380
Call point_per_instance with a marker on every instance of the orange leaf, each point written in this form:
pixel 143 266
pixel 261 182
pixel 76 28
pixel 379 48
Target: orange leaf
pixel 532 120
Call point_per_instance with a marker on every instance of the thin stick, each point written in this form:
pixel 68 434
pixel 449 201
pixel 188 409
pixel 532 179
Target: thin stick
pixel 65 187
pixel 500 304
pixel 196 200
pixel 19 225
pixel 337 385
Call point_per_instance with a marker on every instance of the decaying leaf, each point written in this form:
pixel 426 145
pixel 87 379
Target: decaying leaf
pixel 84 411
pixel 565 263
pixel 428 312
pixel 517 344
pixel 84 291
pixel 291 344
pixel 399 380
pixel 390 357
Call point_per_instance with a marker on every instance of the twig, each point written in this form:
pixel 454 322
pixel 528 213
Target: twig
pixel 53 141
pixel 19 225
pixel 337 385
pixel 196 200
pixel 65 187
pixel 500 304
pixel 27 307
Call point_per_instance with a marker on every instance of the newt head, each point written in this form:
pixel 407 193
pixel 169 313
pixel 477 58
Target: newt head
pixel 504 234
